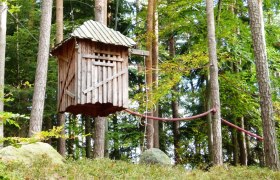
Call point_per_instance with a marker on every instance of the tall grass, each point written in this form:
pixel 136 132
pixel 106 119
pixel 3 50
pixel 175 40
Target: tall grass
pixel 109 169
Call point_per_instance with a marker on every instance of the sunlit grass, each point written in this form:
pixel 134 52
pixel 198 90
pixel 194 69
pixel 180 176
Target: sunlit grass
pixel 109 169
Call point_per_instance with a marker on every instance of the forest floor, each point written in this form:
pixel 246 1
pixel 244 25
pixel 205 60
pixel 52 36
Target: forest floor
pixel 109 169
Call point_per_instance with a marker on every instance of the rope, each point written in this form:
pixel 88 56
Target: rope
pixel 195 117
pixel 242 130
pixel 172 119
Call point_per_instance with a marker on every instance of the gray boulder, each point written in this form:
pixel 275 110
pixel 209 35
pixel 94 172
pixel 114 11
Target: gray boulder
pixel 28 153
pixel 154 156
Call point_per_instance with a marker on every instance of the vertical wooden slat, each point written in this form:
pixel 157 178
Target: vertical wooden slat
pixel 100 79
pixel 125 78
pixel 115 85
pixel 84 75
pixel 119 84
pixel 105 84
pixel 110 93
pixel 89 74
pixel 79 74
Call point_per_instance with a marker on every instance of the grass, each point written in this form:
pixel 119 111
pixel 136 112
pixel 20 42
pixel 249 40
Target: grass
pixel 109 169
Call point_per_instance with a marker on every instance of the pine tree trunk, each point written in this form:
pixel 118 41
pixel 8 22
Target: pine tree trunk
pixel 3 27
pixel 61 143
pixel 209 120
pixel 258 36
pixel 235 146
pixel 38 100
pixel 175 107
pixel 215 94
pixel 148 63
pixel 100 122
pixel 99 138
pixel 59 21
pixel 155 73
pixel 88 137
pixel 242 144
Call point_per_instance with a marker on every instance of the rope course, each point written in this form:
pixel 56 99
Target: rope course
pixel 213 110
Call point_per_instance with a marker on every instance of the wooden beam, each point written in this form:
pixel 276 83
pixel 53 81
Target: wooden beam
pixel 139 52
pixel 72 95
pixel 105 81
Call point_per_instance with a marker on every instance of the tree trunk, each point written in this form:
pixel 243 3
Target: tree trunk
pixel 88 136
pixel 38 100
pixel 216 117
pixel 148 62
pixel 59 21
pixel 3 27
pixel 242 143
pixel 175 107
pixel 258 36
pixel 209 120
pixel 235 146
pixel 61 143
pixel 59 38
pixel 99 138
pixel 155 73
pixel 100 122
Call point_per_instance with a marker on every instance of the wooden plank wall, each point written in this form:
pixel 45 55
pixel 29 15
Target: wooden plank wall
pixel 66 76
pixel 103 76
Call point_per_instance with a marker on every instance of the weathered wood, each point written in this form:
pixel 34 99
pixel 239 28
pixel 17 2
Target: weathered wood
pixel 89 77
pixel 72 95
pixel 79 65
pixel 115 85
pixel 105 81
pixel 102 64
pixel 139 52
pixel 93 56
pixel 92 78
pixel 67 72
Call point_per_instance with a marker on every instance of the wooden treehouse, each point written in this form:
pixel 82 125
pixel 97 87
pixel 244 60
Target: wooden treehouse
pixel 93 70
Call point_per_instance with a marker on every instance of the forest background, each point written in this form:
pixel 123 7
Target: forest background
pixel 183 77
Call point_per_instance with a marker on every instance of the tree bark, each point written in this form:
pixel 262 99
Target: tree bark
pixel 61 144
pixel 215 94
pixel 88 137
pixel 3 28
pixel 242 144
pixel 100 122
pixel 38 100
pixel 258 36
pixel 99 138
pixel 148 62
pixel 155 73
pixel 59 21
pixel 175 107
pixel 209 120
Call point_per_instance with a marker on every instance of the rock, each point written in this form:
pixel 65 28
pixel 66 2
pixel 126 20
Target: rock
pixel 28 153
pixel 154 156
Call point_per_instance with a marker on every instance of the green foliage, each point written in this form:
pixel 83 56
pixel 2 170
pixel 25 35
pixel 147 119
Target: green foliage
pixel 8 117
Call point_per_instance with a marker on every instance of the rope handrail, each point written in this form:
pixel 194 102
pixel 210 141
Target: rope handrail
pixel 242 130
pixel 172 119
